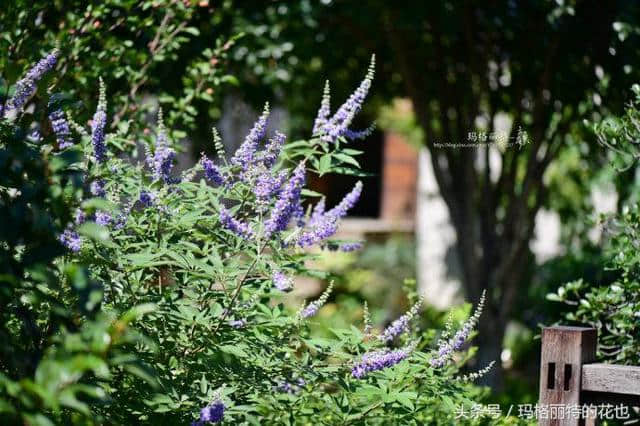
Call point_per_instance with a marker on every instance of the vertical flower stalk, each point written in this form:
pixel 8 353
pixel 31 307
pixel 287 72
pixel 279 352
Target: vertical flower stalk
pixel 333 128
pixel 269 156
pixel 59 125
pixel 211 172
pixel 286 204
pixel 400 325
pixel 324 111
pixel 368 325
pixel 161 160
pixel 446 348
pixel 26 86
pixel 244 157
pixel 98 124
pixel 312 308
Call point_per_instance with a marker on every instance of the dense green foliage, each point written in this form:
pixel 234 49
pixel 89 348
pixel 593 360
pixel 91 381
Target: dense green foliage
pixel 614 307
pixel 59 347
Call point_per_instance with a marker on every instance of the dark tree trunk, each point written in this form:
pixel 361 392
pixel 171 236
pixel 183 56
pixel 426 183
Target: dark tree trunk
pixel 489 341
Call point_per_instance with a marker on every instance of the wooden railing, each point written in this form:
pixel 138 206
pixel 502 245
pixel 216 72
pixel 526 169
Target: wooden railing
pixel 572 386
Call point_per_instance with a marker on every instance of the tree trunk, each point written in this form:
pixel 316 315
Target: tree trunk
pixel 489 341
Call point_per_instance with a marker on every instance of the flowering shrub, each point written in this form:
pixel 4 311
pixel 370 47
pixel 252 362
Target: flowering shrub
pixel 214 249
pixel 60 349
pixel 614 308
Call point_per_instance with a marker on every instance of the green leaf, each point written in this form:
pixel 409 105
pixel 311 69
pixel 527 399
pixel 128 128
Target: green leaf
pixel 233 350
pixel 324 166
pixel 347 159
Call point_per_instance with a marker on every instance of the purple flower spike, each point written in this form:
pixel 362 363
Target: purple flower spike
pixel 333 128
pixel 161 161
pixel 318 211
pixel 71 240
pixel 324 111
pixel 281 281
pixel 400 325
pixel 212 413
pixel 323 225
pixel 448 347
pixel 97 188
pixel 211 171
pixel 98 124
pixel 232 224
pixel 60 128
pixel 312 308
pixel 348 201
pixel 245 155
pixel 287 203
pixel 379 360
pixel 267 185
pixel 349 247
pixel 146 198
pixel 270 155
pixel 103 218
pixel 26 86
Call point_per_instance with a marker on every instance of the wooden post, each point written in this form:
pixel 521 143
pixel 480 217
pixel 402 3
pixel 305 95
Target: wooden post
pixel 564 351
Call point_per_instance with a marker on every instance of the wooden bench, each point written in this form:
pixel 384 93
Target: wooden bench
pixel 570 380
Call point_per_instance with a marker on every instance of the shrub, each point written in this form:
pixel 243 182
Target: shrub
pixel 614 308
pixel 214 250
pixel 59 348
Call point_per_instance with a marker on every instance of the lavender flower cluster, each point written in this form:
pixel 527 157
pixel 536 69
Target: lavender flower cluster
pixel 212 413
pixel 146 198
pixel 59 125
pixel 26 86
pixel 312 308
pixel 244 157
pixel 330 129
pixel 323 225
pixel 285 386
pixel 234 225
pixel 281 281
pixel 161 160
pixel 287 203
pixel 70 239
pixel 211 172
pixel 379 360
pixel 400 325
pixel 446 348
pixel 255 169
pixel 98 124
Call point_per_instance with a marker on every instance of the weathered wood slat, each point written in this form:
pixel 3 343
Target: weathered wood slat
pixel 564 351
pixel 599 398
pixel 623 379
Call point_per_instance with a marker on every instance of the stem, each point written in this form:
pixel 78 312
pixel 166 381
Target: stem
pixel 236 293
